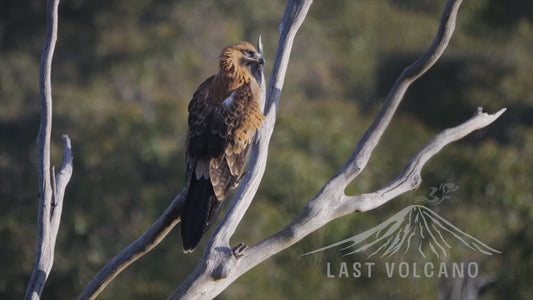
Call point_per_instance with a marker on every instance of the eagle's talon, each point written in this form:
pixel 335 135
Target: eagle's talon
pixel 238 181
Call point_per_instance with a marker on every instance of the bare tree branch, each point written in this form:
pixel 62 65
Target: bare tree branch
pixel 411 176
pixel 144 244
pixel 371 138
pixel 50 194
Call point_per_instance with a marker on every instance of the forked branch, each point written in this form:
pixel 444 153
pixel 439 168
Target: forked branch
pixel 51 189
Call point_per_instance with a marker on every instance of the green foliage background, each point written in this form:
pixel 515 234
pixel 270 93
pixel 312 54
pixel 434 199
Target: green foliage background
pixel 124 72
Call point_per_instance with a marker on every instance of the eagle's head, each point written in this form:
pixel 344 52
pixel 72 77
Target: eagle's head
pixel 236 59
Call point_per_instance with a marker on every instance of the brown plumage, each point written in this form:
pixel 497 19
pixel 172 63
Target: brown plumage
pixel 224 115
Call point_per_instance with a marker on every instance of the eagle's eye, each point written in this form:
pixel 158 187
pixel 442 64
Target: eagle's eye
pixel 249 52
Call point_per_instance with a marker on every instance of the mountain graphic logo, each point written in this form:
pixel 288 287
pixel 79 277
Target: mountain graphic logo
pixel 414 226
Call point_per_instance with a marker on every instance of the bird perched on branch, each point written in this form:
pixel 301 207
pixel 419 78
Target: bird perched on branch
pixel 224 115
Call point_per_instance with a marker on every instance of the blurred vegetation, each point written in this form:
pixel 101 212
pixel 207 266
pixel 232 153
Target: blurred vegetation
pixel 124 72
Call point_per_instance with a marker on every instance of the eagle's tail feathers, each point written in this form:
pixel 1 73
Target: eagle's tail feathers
pixel 198 212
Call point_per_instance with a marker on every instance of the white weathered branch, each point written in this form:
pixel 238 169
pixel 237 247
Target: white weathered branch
pixel 144 244
pixel 50 193
pixel 411 176
pixel 371 138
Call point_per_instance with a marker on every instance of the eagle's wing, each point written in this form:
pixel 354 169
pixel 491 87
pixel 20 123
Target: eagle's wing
pixel 201 203
pixel 236 119
pixel 198 135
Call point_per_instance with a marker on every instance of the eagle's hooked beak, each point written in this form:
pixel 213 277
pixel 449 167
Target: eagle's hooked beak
pixel 260 59
pixel 256 58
